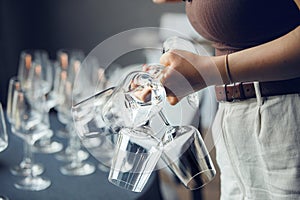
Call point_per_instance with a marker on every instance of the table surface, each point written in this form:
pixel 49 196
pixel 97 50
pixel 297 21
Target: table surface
pixel 94 186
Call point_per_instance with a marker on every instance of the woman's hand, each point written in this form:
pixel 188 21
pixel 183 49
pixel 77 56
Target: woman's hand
pixel 185 73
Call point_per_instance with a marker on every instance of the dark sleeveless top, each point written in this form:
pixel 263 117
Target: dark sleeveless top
pixel 233 25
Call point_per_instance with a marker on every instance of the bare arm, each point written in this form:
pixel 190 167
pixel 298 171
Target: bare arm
pixel 276 60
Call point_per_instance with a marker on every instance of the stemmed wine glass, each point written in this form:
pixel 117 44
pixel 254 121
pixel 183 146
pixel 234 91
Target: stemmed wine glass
pixel 3 131
pixel 125 109
pixel 26 165
pixel 3 138
pixel 89 125
pixel 76 166
pixel 30 126
pixel 36 76
pixel 73 152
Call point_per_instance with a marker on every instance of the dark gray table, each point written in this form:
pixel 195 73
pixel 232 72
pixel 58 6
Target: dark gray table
pixel 90 187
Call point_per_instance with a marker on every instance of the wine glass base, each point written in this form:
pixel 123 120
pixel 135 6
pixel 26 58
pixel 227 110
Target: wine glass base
pixel 33 183
pixel 26 169
pixel 3 197
pixel 103 167
pixel 52 147
pixel 79 169
pixel 67 157
pixel 63 133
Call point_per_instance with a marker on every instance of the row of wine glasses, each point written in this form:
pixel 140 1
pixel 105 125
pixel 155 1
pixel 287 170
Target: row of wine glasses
pixel 42 85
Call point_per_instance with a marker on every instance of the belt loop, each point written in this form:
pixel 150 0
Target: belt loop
pixel 259 98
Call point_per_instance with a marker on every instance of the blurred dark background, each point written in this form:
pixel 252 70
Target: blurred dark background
pixel 56 24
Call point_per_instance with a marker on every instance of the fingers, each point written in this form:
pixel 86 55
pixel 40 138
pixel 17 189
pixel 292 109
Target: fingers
pixel 172 100
pixel 144 94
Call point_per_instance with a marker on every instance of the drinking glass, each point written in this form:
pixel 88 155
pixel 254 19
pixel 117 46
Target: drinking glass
pixel 29 125
pixel 27 57
pixel 126 109
pixel 26 165
pixel 187 157
pixel 36 76
pixel 89 125
pixel 73 152
pixel 3 139
pixel 95 136
pixel 41 78
pixel 136 155
pixel 3 131
pixel 64 67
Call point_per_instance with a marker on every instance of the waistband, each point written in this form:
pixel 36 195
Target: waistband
pixel 246 90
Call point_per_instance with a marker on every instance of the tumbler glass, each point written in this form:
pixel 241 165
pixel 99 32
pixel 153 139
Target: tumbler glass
pixel 186 155
pixel 136 155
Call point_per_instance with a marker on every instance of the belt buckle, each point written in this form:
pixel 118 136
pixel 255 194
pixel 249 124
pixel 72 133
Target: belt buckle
pixel 234 92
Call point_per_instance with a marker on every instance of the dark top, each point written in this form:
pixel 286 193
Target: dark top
pixel 233 25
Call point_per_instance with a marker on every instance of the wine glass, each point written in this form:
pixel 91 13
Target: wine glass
pixel 26 165
pixel 27 57
pixel 36 76
pixel 3 139
pixel 77 166
pixel 3 131
pixel 64 67
pixel 29 125
pixel 89 125
pixel 41 84
pixel 73 152
pixel 126 109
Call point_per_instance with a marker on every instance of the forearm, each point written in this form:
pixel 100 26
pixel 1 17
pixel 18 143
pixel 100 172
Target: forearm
pixel 276 60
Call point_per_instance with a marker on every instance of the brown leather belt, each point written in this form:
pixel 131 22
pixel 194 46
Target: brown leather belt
pixel 245 90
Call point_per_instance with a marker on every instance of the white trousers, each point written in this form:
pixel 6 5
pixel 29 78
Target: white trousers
pixel 258 148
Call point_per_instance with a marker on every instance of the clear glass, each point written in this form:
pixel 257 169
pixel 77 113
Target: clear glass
pixel 41 78
pixel 73 153
pixel 27 57
pixel 29 126
pixel 26 165
pixel 90 128
pixel 126 109
pixel 3 131
pixel 95 136
pixel 3 138
pixel 186 156
pixel 136 155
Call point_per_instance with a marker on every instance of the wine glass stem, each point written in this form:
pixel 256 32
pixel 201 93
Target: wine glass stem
pixel 74 146
pixel 28 155
pixel 163 117
pixel 170 129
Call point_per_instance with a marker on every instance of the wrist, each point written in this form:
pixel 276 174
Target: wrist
pixel 214 70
